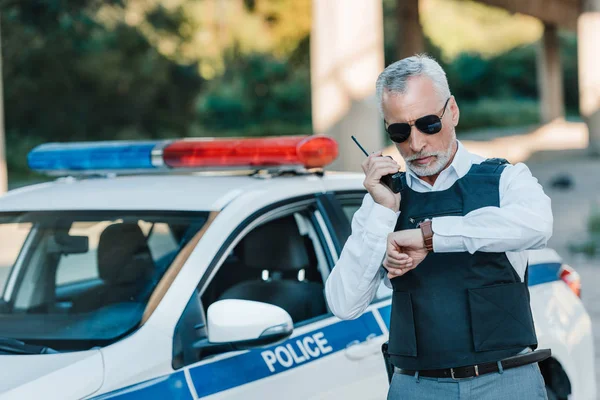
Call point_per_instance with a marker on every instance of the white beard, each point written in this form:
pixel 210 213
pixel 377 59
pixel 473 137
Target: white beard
pixel 441 160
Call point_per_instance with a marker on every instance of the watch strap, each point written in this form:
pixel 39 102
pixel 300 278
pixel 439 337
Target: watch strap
pixel 427 232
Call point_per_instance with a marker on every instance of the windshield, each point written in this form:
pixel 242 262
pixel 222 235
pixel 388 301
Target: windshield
pixel 74 280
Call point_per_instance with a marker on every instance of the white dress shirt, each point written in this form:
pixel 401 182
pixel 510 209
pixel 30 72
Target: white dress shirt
pixel 522 222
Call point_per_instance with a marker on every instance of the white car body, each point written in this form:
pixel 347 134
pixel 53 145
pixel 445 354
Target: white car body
pixel 325 358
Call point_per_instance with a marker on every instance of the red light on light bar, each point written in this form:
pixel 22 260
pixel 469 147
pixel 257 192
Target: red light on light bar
pixel 309 151
pixel 571 278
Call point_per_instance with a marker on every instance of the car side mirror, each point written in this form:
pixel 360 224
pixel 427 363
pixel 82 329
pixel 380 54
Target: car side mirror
pixel 244 324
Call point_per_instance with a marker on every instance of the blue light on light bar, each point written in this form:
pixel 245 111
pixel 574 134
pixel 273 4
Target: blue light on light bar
pixel 92 156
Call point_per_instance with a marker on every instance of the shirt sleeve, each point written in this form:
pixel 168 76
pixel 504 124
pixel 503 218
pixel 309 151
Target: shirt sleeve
pixel 354 280
pixel 522 222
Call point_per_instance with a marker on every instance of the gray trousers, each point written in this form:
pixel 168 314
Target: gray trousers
pixel 521 383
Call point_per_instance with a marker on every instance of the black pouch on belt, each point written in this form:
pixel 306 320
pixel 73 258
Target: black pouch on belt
pixel 389 367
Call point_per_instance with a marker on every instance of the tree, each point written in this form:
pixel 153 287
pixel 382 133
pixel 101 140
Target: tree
pixel 68 76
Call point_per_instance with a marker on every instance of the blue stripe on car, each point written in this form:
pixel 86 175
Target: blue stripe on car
pixel 247 367
pixel 386 313
pixel 258 364
pixel 543 273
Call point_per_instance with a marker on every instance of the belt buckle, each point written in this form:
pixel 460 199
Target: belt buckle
pixel 456 379
pixel 452 374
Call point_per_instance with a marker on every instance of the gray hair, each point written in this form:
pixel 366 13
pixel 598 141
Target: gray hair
pixel 395 77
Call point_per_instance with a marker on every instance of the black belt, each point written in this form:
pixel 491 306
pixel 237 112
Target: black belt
pixel 481 369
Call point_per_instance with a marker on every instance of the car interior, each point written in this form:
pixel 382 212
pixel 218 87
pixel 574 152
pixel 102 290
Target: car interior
pixel 87 282
pixel 277 264
pixel 125 266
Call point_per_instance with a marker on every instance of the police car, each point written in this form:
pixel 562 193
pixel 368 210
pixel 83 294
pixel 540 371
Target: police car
pixel 190 269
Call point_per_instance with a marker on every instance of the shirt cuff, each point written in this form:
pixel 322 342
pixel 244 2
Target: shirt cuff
pixel 447 226
pixel 445 237
pixel 448 244
pixel 381 220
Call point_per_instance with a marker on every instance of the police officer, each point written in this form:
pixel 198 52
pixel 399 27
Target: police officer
pixel 453 244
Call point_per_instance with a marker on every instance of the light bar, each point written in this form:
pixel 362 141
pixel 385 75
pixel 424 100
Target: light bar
pixel 112 155
pixel 307 151
pixel 192 154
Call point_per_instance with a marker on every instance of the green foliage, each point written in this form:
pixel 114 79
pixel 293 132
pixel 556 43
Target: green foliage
pixel 494 112
pixel 68 77
pixel 511 75
pixel 594 222
pixel 257 95
pixel 467 26
pixel 87 82
pixel 590 246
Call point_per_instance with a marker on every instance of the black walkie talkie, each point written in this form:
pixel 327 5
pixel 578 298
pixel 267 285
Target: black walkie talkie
pixel 393 181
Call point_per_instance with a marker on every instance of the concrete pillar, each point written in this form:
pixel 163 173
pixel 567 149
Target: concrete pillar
pixel 346 56
pixel 588 42
pixel 410 39
pixel 550 82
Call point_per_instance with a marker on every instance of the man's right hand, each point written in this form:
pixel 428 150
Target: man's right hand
pixel 374 167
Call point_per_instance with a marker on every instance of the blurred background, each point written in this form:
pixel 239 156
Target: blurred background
pixel 526 76
pixel 79 70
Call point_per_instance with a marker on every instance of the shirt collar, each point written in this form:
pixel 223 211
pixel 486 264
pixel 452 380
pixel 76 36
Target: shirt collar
pixel 461 164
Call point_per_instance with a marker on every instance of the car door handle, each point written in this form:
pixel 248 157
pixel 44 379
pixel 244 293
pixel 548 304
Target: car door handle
pixel 357 350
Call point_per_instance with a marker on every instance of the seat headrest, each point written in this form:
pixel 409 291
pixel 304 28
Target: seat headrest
pixel 277 245
pixel 123 254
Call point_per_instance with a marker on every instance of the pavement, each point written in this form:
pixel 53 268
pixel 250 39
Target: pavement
pixel 571 210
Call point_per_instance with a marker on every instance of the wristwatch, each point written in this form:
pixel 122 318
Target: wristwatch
pixel 427 234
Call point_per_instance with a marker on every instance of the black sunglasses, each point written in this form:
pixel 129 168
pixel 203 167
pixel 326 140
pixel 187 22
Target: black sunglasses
pixel 429 124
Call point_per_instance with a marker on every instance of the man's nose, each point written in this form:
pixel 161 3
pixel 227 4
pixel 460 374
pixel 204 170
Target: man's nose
pixel 417 140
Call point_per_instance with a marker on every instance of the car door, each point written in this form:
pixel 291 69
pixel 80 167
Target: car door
pixel 339 208
pixel 325 358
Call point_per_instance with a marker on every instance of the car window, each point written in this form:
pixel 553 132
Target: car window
pixel 350 203
pixel 81 267
pixel 280 262
pixel 350 207
pixel 85 277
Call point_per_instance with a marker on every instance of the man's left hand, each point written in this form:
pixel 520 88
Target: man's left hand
pixel 405 250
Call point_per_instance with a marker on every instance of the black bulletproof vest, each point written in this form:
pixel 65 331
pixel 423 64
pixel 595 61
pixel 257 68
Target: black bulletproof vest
pixel 457 309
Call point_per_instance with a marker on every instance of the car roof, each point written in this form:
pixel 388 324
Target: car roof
pixel 190 192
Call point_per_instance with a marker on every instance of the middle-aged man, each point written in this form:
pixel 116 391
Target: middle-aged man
pixel 453 247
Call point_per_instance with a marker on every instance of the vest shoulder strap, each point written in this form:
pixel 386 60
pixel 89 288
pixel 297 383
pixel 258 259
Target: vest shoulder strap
pixel 491 166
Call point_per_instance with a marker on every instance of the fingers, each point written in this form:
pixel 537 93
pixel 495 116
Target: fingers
pixel 404 262
pixel 396 269
pixel 375 166
pixel 394 244
pixel 396 262
pixel 367 161
pixel 392 276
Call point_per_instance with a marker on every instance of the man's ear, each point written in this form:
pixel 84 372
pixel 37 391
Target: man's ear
pixel 455 111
